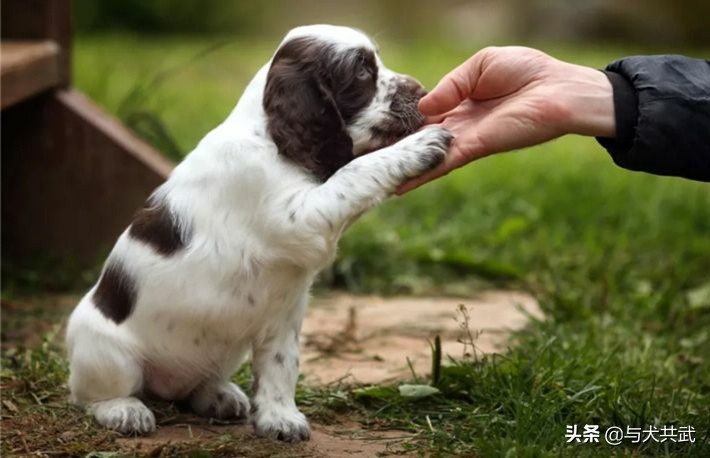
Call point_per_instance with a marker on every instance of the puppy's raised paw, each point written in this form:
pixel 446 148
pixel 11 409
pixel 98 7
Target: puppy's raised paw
pixel 223 401
pixel 125 415
pixel 436 145
pixel 427 149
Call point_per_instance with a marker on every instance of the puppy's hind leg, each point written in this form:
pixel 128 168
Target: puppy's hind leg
pixel 222 400
pixel 105 377
pixel 127 415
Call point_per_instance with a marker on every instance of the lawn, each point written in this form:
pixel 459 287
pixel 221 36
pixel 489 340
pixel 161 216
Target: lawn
pixel 619 261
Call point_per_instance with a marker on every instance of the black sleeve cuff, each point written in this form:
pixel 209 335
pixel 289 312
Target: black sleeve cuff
pixel 626 114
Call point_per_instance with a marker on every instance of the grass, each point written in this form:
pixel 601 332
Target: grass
pixel 618 260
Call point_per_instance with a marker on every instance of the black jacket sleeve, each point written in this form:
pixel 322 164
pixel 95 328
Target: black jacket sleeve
pixel 662 110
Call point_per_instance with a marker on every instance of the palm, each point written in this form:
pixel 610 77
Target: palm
pixel 508 109
pixel 500 124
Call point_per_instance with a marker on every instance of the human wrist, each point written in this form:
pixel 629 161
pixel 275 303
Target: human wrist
pixel 590 102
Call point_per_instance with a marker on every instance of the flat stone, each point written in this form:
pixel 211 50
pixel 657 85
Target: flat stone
pixel 368 339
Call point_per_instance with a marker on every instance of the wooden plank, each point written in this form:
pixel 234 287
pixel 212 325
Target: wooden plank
pixel 40 20
pixel 72 178
pixel 27 68
pixel 113 131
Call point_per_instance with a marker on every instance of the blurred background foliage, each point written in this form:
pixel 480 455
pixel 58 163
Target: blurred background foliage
pixel 648 22
pixel 138 57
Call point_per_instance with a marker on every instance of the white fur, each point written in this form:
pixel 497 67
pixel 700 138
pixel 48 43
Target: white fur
pixel 260 231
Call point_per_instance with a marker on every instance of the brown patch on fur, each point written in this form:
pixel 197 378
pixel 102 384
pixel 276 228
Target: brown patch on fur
pixel 115 294
pixel 309 97
pixel 404 117
pixel 154 225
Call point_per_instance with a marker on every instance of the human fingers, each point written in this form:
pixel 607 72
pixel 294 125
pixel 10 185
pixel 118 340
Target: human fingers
pixel 453 88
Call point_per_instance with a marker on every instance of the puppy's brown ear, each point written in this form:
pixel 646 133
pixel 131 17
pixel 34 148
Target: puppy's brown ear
pixel 303 118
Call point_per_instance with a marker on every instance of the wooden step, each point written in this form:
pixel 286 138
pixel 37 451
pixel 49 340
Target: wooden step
pixel 72 177
pixel 27 68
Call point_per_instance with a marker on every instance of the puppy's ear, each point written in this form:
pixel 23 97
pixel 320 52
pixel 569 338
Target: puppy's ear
pixel 302 115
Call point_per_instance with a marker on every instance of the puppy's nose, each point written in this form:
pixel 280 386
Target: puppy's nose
pixel 413 87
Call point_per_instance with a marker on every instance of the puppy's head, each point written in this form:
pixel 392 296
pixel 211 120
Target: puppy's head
pixel 329 98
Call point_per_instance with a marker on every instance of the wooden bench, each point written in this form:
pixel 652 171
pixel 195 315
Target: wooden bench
pixel 72 176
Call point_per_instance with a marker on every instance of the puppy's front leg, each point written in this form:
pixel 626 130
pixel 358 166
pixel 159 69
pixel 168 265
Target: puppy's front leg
pixel 369 179
pixel 275 366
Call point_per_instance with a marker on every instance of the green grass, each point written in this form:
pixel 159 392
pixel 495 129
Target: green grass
pixel 618 260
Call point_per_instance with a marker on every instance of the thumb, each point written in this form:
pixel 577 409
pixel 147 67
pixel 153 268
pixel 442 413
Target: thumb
pixel 453 88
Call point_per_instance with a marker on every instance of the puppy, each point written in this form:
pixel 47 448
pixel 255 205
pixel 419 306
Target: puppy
pixel 218 264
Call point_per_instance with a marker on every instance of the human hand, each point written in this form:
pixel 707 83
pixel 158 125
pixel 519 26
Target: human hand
pixel 512 97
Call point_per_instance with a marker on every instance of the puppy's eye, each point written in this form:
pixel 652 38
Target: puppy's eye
pixel 364 74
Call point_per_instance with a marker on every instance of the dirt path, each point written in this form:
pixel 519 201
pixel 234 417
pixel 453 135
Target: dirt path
pixel 346 339
pixel 327 441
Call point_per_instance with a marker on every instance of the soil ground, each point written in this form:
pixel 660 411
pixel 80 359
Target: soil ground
pixel 346 339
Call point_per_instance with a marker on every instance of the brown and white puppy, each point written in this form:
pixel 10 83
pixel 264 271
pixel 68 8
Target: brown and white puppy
pixel 218 264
